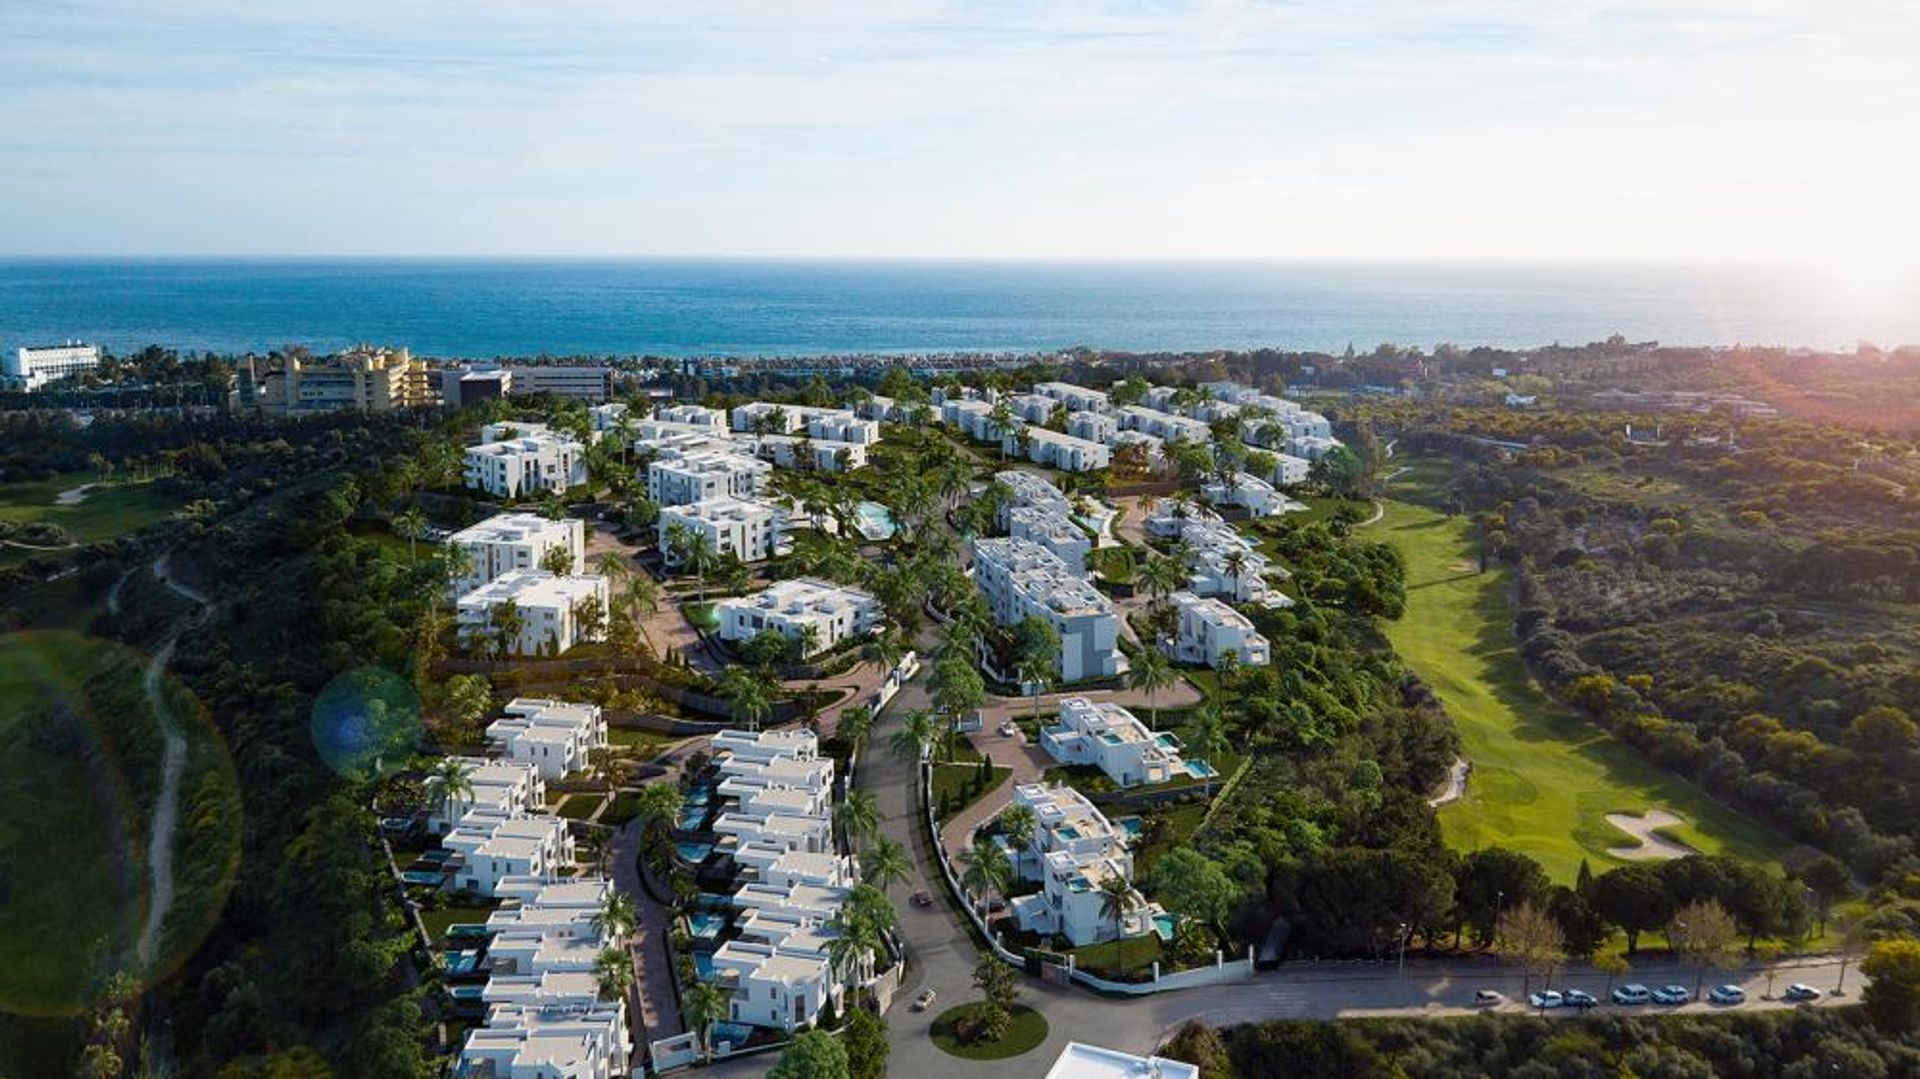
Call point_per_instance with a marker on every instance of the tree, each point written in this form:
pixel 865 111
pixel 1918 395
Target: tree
pixel 998 991
pixel 885 864
pixel 1019 823
pixel 957 688
pixel 984 868
pixel 814 1054
pixel 866 1040
pixel 1634 898
pixel 508 624
pixel 1117 900
pixel 855 725
pixel 1488 881
pixel 557 561
pixel 858 816
pixel 1194 886
pixel 749 693
pixel 1150 674
pixel 1529 937
pixel 702 1004
pixel 1163 575
pixel 1892 996
pixel 1205 734
pixel 1705 933
pixel 613 973
pixel 1613 965
pixel 617 916
pixel 411 526
pixel 914 737
pixel 1830 882
pixel 450 782
pixel 469 699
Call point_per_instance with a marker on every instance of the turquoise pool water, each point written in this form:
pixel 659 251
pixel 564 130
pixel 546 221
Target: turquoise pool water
pixel 693 852
pixel 727 1032
pixel 706 926
pixel 874 521
pixel 1201 770
pixel 1163 926
pixel 703 965
pixel 692 817
pixel 420 876
pixel 1129 825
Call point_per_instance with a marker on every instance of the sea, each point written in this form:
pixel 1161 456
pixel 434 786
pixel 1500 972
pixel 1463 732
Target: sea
pixel 484 308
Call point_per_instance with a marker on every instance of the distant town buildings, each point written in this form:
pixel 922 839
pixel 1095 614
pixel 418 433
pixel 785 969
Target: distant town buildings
pixel 362 379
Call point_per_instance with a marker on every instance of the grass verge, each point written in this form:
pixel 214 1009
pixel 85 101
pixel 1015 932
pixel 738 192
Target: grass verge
pixel 1027 1029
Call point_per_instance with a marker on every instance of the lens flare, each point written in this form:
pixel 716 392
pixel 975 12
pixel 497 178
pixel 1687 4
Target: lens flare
pixel 366 723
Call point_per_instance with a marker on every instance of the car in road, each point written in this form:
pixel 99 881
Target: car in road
pixel 1488 998
pixel 1672 994
pixel 1800 991
pixel 1580 998
pixel 921 899
pixel 1632 993
pixel 1545 998
pixel 1008 730
pixel 1727 994
pixel 924 1001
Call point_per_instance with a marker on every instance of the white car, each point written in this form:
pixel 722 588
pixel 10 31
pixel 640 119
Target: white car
pixel 1580 998
pixel 1545 998
pixel 1487 998
pixel 1727 994
pixel 1008 729
pixel 924 1001
pixel 1672 994
pixel 1634 993
pixel 1800 991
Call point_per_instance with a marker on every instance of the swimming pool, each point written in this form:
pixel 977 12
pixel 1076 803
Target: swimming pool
pixel 1129 825
pixel 692 817
pixel 466 994
pixel 1164 925
pixel 728 1033
pixel 703 965
pixel 694 853
pixel 874 521
pixel 1201 770
pixel 697 796
pixel 706 926
pixel 420 876
pixel 462 962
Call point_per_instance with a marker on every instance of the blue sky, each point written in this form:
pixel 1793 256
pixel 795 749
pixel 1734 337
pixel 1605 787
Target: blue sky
pixel 1715 129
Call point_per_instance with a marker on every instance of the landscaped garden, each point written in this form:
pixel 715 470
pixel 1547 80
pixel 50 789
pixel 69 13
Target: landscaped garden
pixel 1025 1029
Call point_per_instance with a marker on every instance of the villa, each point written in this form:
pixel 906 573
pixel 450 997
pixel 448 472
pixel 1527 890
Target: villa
pixel 1073 851
pixel 765 747
pixel 1031 407
pixel 523 1041
pixel 748 529
pixel 1289 470
pixel 1164 425
pixel 798 609
pixel 516 459
pixel 548 607
pixel 503 788
pixel 1081 1061
pixel 677 478
pixel 971 416
pixel 557 737
pixel 605 419
pixel 510 541
pixel 1251 493
pixel 491 848
pixel 820 455
pixel 1093 426
pixel 1051 448
pixel 825 424
pixel 1209 629
pixel 1032 491
pixel 712 419
pixel 1020 578
pixel 1076 398
pixel 1114 740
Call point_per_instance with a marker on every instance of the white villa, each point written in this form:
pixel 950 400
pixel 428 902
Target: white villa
pixel 574 1041
pixel 1093 426
pixel 510 541
pixel 791 608
pixel 604 419
pixel 1051 448
pixel 820 455
pixel 547 606
pixel 505 788
pixel 557 737
pixel 1031 491
pixel 1021 578
pixel 1250 493
pixel 1076 398
pixel 1114 740
pixel 677 478
pixel 1209 629
pixel 713 419
pixel 825 424
pixel 1289 470
pixel 1031 407
pixel 491 848
pixel 1074 849
pixel 749 529
pixel 1164 425
pixel 516 459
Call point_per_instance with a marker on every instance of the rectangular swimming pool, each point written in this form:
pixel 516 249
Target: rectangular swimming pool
pixel 1201 770
pixel 706 926
pixel 694 853
pixel 729 1033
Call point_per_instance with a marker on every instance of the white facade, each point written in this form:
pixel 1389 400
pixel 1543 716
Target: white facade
pixel 1289 470
pixel 1164 425
pixel 1074 849
pixel 517 459
pixel 1209 629
pixel 821 455
pixel 825 424
pixel 548 608
pixel 36 365
pixel 1031 407
pixel 1051 448
pixel 1081 1061
pixel 1076 398
pixel 1093 426
pixel 1060 535
pixel 748 529
pixel 1251 493
pixel 972 416
pixel 603 419
pixel 523 1041
pixel 502 788
pixel 712 419
pixel 557 737
pixel 677 478
pixel 788 608
pixel 1114 740
pixel 1031 491
pixel 1020 578
pixel 492 848
pixel 516 541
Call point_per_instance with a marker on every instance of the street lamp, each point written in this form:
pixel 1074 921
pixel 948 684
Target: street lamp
pixel 1403 934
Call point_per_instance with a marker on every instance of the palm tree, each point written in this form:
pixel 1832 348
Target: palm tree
pixel 984 868
pixel 1163 575
pixel 456 563
pixel 1019 823
pixel 747 689
pixel 1035 671
pixel 855 726
pixel 451 781
pixel 657 801
pixel 1206 733
pixel 858 816
pixel 809 639
pixel 886 864
pixel 613 971
pixel 617 916
pixel 1117 900
pixel 694 551
pixel 1150 674
pixel 410 526
pixel 508 624
pixel 1236 564
pixel 701 1005
pixel 915 735
pixel 596 845
pixel 1001 416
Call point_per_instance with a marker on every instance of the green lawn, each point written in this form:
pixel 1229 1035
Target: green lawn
pixel 108 511
pixel 438 920
pixel 1119 959
pixel 1543 778
pixel 950 780
pixel 1027 1029
pixel 579 806
pixel 1181 822
pixel 645 745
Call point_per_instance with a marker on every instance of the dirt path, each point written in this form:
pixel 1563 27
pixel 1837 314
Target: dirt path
pixel 1653 847
pixel 173 762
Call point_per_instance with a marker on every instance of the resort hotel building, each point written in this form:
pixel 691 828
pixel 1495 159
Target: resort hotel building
pixel 1020 578
pixel 34 366
pixel 678 477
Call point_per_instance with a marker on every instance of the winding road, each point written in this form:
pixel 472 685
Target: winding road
pixel 173 762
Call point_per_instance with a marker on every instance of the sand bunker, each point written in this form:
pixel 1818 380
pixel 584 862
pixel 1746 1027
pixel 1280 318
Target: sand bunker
pixel 1653 847
pixel 73 496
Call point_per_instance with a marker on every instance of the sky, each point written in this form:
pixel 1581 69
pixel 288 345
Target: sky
pixel 1370 129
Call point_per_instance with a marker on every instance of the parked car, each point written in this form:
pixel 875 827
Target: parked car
pixel 1545 998
pixel 922 899
pixel 1727 994
pixel 1672 994
pixel 924 1001
pixel 1580 998
pixel 1487 998
pixel 1800 991
pixel 1008 730
pixel 1632 993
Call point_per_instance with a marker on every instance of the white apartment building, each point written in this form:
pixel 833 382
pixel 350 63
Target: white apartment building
pixel 1311 447
pixel 1209 629
pixel 677 478
pixel 1093 426
pixel 1074 849
pixel 1051 448
pixel 821 455
pixel 1164 425
pixel 523 1041
pixel 548 607
pixel 1021 578
pixel 1289 470
pixel 791 608
pixel 1058 534
pixel 1249 492
pixel 1076 398
pixel 517 459
pixel 972 416
pixel 764 747
pixel 1222 562
pixel 1114 740
pixel 34 366
pixel 1031 491
pixel 1082 1061
pixel 502 788
pixel 557 737
pixel 511 541
pixel 711 419
pixel 749 529
pixel 1031 407
pixel 603 419
pixel 826 424
pixel 491 848
pixel 1169 518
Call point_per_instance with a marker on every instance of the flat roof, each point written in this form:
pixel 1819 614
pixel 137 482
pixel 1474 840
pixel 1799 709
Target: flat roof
pixel 1081 1061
